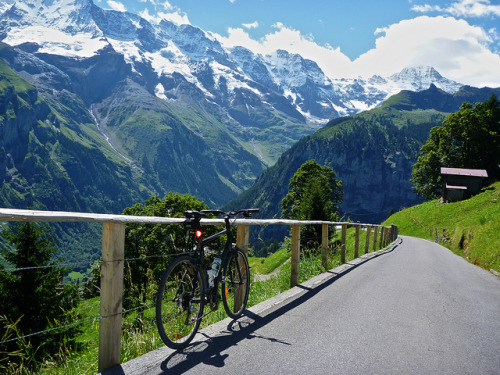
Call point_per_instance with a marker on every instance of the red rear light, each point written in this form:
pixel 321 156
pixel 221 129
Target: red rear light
pixel 198 233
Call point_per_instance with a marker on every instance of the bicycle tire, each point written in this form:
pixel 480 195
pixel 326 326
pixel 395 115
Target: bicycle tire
pixel 235 283
pixel 180 302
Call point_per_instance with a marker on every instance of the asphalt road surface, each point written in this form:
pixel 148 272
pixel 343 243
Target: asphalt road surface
pixel 417 309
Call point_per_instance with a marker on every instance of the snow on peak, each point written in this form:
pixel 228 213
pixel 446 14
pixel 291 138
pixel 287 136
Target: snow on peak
pixel 292 70
pixel 63 27
pixel 417 78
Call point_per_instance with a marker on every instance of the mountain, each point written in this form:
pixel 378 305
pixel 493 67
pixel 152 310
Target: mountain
pixel 259 105
pixel 78 28
pixel 303 91
pixel 421 77
pixel 101 109
pixel 372 153
pixel 170 100
pixel 52 156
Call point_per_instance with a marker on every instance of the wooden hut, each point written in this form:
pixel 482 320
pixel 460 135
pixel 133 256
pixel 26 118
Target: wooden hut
pixel 460 184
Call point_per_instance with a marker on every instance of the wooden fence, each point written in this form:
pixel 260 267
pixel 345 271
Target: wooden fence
pixel 113 250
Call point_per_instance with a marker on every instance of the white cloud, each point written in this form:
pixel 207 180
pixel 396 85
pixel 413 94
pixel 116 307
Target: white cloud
pixel 456 49
pixel 177 17
pixel 463 8
pixel 116 5
pixel 158 3
pixel 329 59
pixel 252 25
pixel 171 13
pixel 426 8
pixel 239 37
pixel 380 30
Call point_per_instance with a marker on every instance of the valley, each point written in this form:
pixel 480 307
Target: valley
pixel 119 109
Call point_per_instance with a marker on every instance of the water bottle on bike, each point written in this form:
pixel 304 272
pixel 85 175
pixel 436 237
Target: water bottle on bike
pixel 213 272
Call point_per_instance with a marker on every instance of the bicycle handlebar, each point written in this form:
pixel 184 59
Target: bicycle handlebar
pixel 216 212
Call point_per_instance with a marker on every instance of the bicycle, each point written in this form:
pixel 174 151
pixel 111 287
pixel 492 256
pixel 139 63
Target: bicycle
pixel 187 285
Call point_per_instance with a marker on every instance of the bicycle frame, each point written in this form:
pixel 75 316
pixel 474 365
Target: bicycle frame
pixel 200 256
pixel 227 245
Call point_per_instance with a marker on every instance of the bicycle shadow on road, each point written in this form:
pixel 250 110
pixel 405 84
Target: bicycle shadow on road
pixel 210 350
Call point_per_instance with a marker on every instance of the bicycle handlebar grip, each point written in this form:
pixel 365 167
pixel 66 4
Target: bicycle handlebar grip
pixel 252 210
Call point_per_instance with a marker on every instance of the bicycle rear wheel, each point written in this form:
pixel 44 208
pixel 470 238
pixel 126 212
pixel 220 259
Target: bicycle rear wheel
pixel 179 302
pixel 235 283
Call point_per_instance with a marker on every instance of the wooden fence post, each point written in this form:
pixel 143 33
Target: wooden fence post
pixel 242 237
pixel 356 243
pixel 367 243
pixel 113 249
pixel 294 277
pixel 344 240
pixel 382 232
pixel 394 232
pixel 324 245
pixel 375 239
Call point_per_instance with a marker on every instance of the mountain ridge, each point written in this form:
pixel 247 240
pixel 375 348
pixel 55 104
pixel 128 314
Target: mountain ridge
pixel 266 103
pixel 186 79
pixel 168 47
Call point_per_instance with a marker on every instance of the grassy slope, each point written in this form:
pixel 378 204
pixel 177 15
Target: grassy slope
pixel 470 228
pixel 267 265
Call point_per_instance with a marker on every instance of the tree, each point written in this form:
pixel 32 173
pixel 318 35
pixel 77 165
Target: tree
pixel 151 242
pixel 314 194
pixel 34 295
pixel 469 138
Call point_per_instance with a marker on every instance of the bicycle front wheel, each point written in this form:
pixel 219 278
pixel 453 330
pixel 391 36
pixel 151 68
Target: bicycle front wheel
pixel 179 302
pixel 235 283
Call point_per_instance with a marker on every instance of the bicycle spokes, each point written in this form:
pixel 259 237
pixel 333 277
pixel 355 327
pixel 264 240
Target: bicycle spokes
pixel 236 283
pixel 179 303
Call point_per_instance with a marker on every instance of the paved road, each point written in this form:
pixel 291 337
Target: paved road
pixel 417 309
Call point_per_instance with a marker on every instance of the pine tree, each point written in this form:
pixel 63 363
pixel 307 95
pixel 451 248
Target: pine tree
pixel 33 295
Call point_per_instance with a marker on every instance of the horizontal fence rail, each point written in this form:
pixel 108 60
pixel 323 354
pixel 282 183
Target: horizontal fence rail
pixel 113 254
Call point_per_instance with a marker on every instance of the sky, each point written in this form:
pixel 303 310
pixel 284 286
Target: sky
pixel 350 38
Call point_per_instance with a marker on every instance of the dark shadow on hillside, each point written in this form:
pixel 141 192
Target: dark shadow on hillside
pixel 209 351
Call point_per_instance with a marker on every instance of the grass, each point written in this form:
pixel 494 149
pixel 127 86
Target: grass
pixel 263 266
pixel 470 228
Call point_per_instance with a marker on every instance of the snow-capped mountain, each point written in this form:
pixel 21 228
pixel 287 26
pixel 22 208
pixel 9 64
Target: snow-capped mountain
pixel 421 77
pixel 103 109
pixel 80 29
